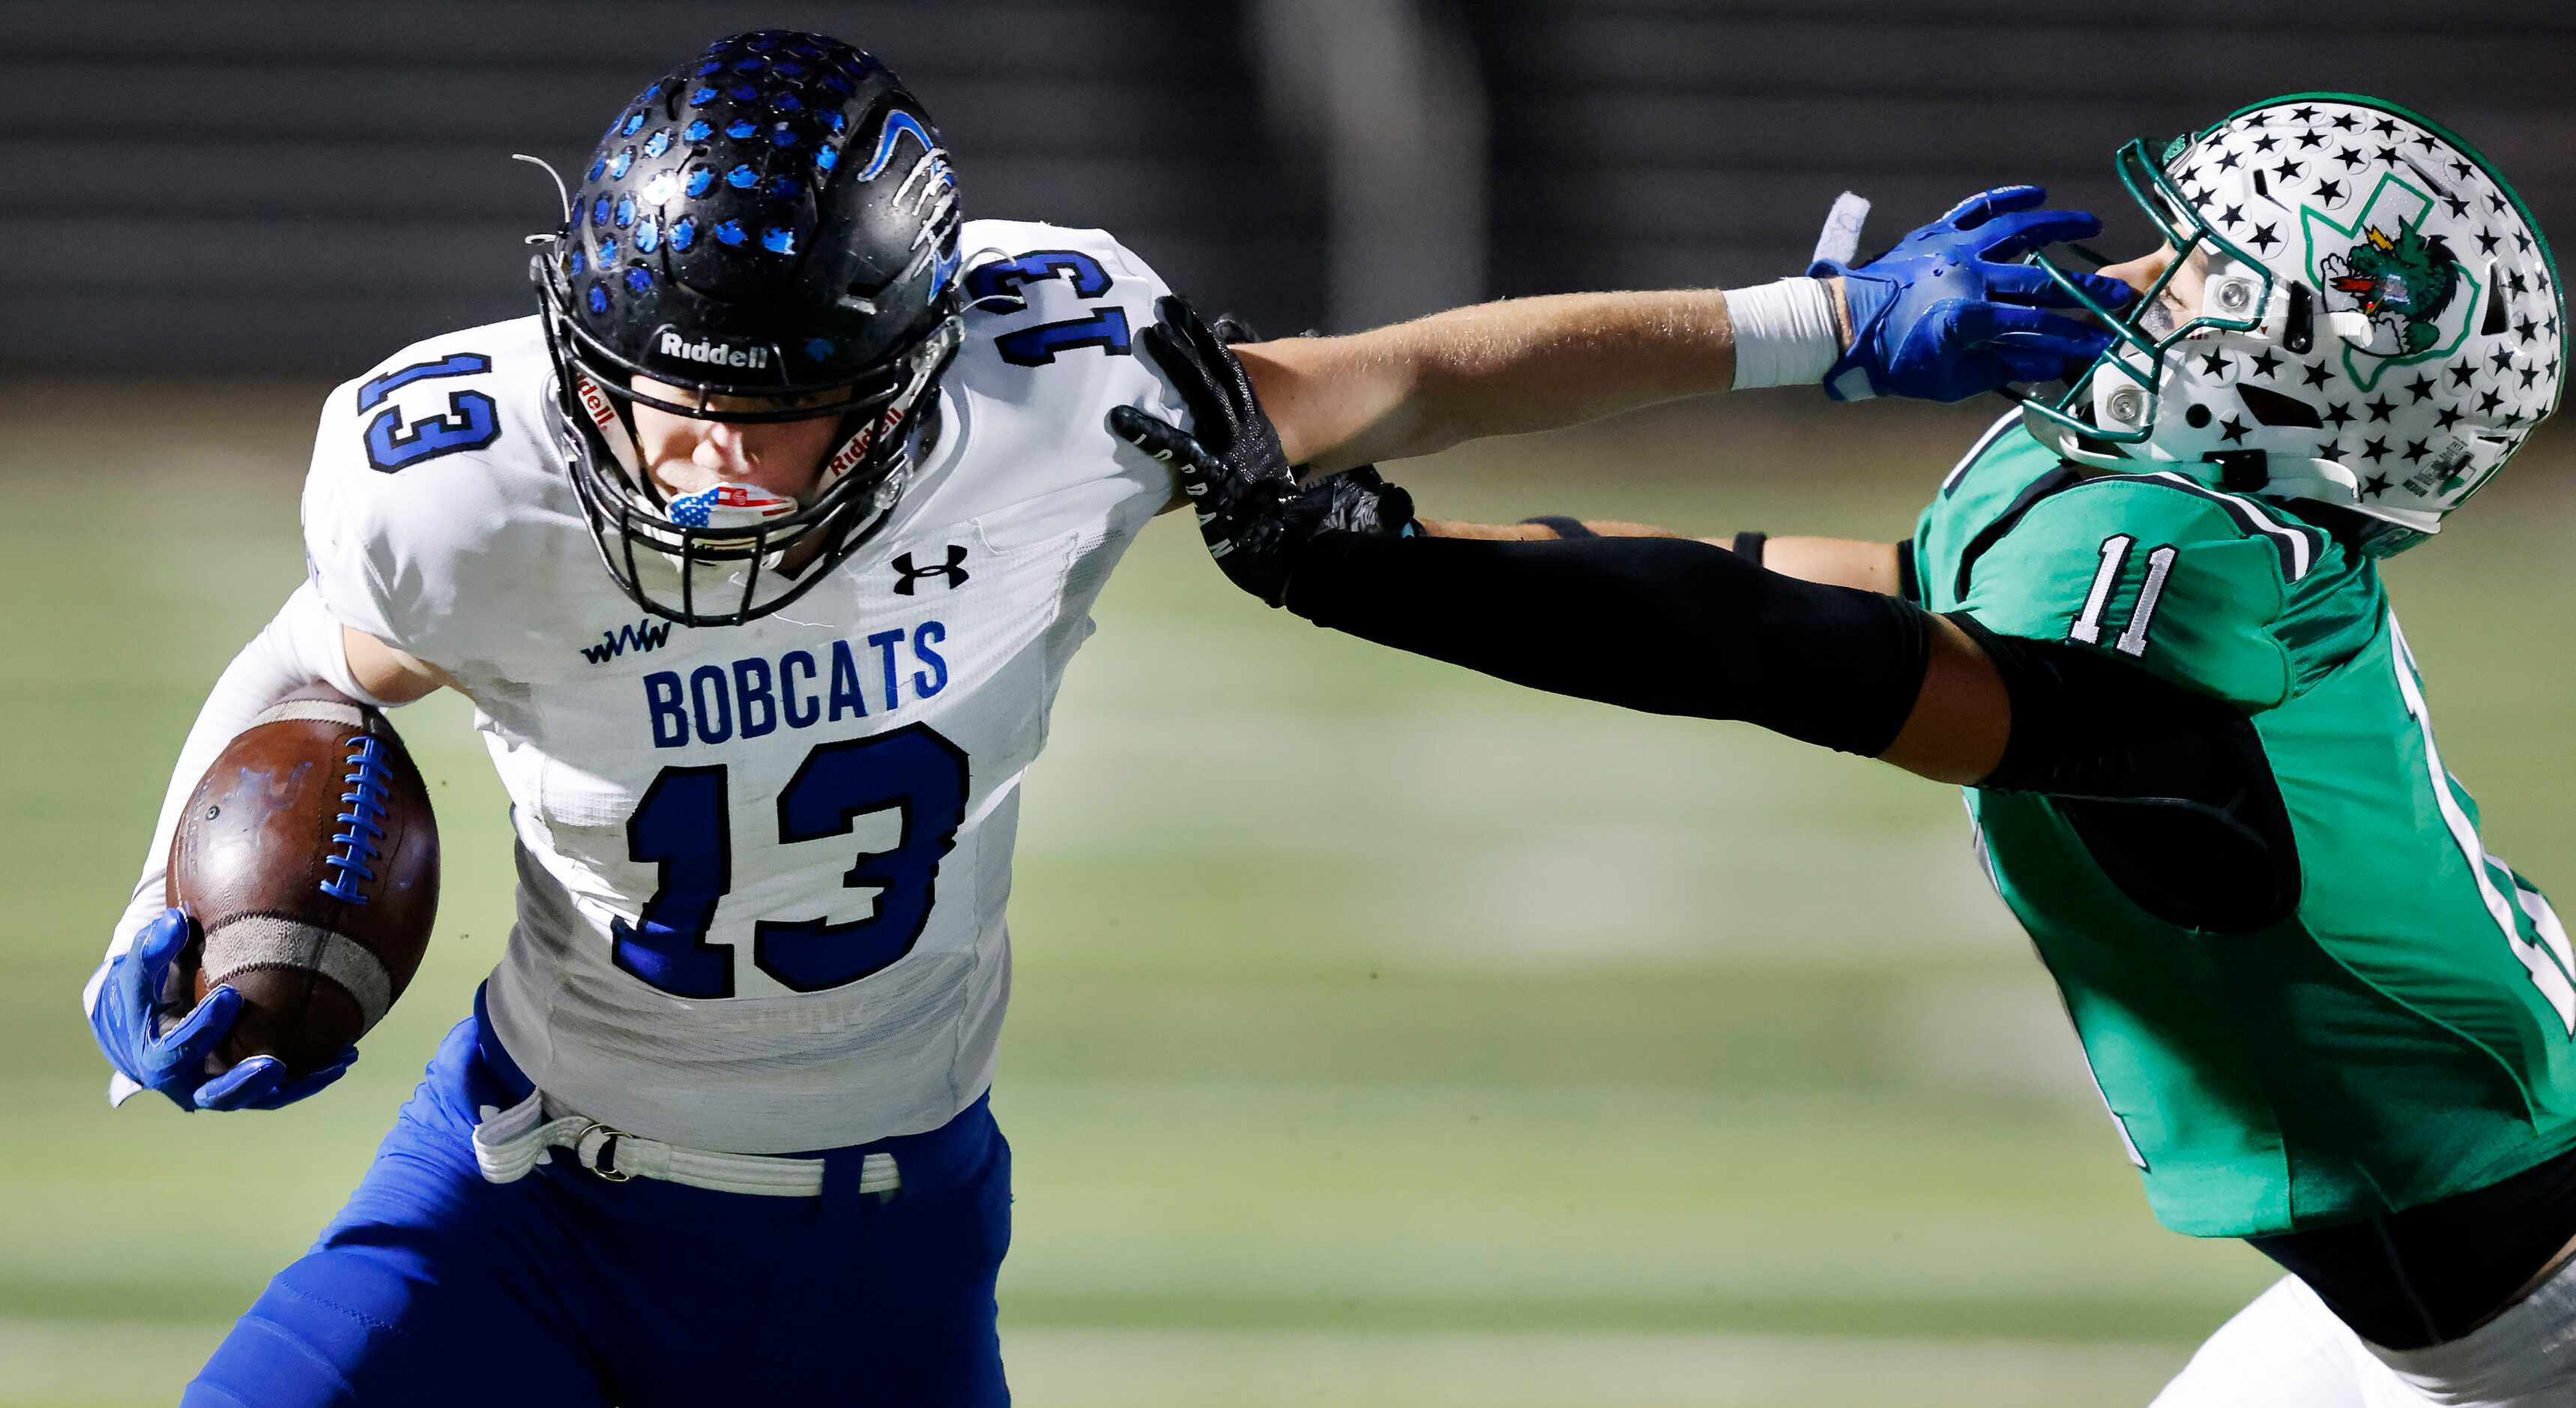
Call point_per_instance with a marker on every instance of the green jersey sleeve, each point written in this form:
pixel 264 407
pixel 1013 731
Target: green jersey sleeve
pixel 2190 583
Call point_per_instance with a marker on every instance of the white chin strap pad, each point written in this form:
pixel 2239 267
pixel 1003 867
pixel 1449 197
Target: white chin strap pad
pixel 2323 480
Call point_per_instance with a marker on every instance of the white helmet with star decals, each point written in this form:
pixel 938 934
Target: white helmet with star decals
pixel 2379 327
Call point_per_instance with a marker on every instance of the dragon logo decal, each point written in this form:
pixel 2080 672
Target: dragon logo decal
pixel 2413 293
pixel 2402 283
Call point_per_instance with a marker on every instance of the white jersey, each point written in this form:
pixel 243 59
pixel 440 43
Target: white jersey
pixel 762 868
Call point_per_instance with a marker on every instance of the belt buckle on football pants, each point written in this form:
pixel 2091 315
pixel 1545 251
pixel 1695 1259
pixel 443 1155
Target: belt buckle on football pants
pixel 595 1149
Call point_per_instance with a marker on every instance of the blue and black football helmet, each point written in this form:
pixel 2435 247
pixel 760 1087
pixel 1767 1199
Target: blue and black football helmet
pixel 775 219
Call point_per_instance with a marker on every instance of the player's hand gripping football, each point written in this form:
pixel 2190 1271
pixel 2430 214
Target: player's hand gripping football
pixel 1950 311
pixel 1252 514
pixel 128 1023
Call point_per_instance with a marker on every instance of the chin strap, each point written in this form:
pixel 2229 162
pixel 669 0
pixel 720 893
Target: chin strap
pixel 900 414
pixel 615 430
pixel 2302 478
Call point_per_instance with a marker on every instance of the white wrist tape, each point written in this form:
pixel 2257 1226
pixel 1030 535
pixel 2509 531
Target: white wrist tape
pixel 1784 333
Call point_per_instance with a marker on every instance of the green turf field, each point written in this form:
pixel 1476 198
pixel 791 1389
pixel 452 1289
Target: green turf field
pixel 1383 1035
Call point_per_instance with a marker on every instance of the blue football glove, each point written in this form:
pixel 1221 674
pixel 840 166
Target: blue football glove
pixel 1950 312
pixel 127 1022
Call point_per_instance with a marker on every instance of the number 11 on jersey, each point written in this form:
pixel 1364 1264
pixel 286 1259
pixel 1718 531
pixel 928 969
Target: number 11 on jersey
pixel 683 827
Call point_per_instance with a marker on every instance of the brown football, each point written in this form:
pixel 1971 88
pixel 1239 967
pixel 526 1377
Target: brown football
pixel 309 859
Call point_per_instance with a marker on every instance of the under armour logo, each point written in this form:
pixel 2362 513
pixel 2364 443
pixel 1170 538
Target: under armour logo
pixel 954 570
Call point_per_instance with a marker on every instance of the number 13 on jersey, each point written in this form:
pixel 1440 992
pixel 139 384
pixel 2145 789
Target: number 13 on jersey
pixel 684 827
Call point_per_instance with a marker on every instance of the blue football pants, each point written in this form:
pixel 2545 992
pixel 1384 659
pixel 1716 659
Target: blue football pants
pixel 435 1287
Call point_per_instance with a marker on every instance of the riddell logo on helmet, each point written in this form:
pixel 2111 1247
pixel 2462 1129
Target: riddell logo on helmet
pixel 714 352
pixel 852 450
pixel 595 401
pixel 856 447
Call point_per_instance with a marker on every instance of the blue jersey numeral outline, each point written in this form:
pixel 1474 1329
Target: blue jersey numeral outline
pixel 1008 276
pixel 1104 328
pixel 912 769
pixel 473 420
pixel 683 828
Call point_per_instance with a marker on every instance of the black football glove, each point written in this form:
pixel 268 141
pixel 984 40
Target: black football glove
pixel 1230 330
pixel 1252 514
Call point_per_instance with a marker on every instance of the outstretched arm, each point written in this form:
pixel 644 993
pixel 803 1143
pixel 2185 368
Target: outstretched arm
pixel 1678 626
pixel 1943 315
pixel 1495 369
pixel 1683 627
pixel 1674 626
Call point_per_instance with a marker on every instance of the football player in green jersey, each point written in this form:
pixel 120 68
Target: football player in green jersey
pixel 2325 1018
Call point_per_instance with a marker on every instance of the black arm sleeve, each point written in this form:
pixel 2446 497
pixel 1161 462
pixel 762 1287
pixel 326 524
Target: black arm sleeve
pixel 2170 790
pixel 2085 724
pixel 1666 625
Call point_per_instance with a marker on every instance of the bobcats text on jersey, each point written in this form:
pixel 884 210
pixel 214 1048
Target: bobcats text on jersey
pixel 755 696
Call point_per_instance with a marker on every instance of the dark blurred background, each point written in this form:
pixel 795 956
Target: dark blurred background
pixel 299 187
pixel 1383 1034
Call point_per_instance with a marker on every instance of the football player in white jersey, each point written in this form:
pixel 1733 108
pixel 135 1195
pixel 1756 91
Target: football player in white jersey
pixel 761 552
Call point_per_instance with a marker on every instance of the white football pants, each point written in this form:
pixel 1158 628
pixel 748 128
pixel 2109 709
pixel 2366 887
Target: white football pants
pixel 2287 1350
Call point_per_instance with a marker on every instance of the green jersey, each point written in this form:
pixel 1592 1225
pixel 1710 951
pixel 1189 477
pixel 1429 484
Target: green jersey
pixel 2397 1032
